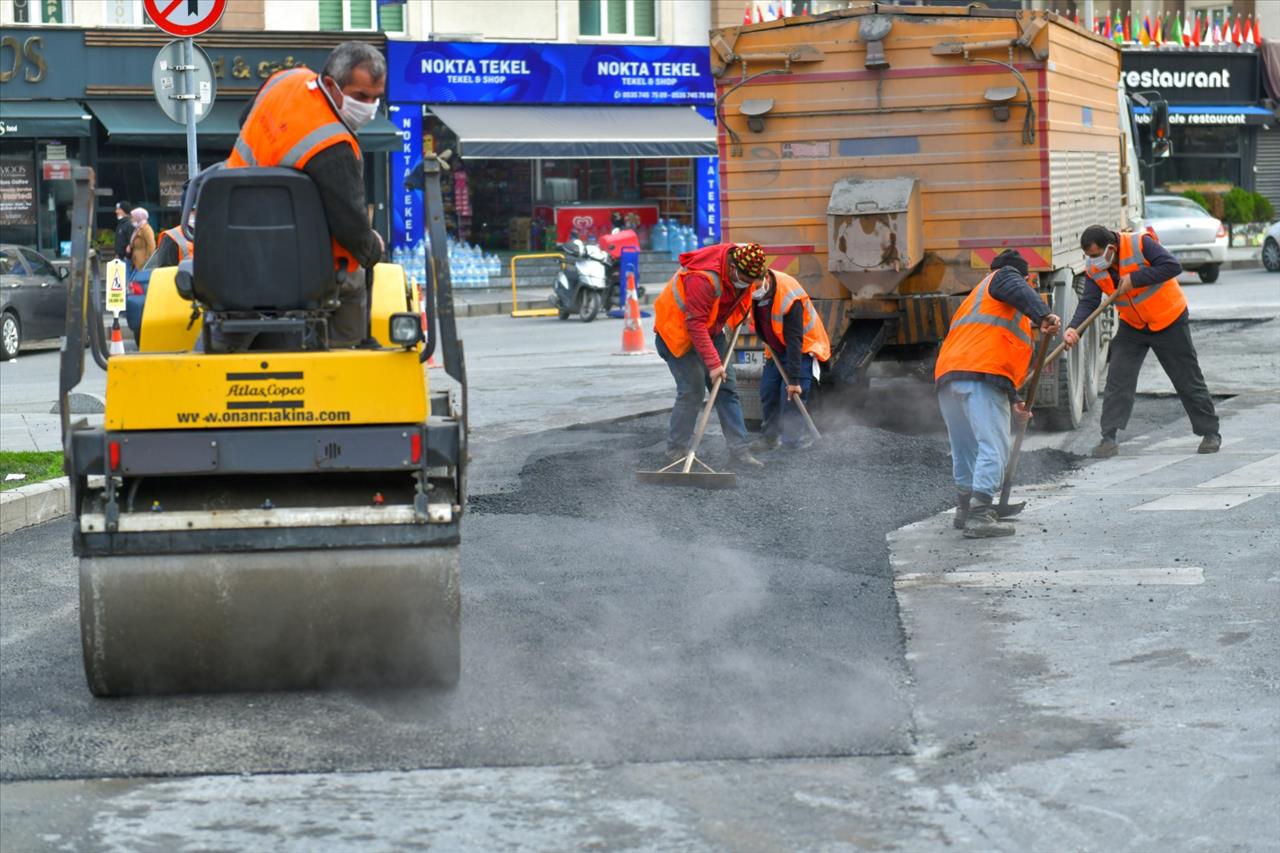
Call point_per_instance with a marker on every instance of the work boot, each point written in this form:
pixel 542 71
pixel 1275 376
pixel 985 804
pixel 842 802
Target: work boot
pixel 804 443
pixel 764 444
pixel 743 458
pixel 674 454
pixel 983 522
pixel 1211 443
pixel 1106 448
pixel 962 509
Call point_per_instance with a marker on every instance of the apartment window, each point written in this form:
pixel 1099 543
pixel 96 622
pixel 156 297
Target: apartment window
pixel 614 18
pixel 391 17
pixel 341 15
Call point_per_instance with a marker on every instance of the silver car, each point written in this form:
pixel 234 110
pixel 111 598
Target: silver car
pixel 33 299
pixel 1196 239
pixel 1271 248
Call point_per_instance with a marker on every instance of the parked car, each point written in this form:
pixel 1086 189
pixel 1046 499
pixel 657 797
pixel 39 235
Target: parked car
pixel 33 299
pixel 1271 248
pixel 1196 239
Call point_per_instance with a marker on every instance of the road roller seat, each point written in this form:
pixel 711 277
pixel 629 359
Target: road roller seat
pixel 264 244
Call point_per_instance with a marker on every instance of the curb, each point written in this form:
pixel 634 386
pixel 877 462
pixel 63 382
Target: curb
pixel 37 503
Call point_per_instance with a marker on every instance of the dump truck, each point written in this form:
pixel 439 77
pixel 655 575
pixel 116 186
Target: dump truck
pixel 260 510
pixel 884 155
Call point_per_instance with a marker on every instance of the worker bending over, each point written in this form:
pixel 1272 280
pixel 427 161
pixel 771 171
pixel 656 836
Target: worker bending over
pixel 785 319
pixel 984 359
pixel 710 291
pixel 1153 314
pixel 308 121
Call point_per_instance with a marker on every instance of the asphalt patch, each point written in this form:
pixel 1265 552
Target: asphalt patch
pixel 604 621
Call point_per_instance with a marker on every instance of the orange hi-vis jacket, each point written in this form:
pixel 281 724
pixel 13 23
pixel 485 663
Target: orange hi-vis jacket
pixel 291 122
pixel 987 336
pixel 186 248
pixel 669 312
pixel 1153 307
pixel 788 291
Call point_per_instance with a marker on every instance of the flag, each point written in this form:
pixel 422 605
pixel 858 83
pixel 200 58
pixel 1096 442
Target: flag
pixel 1106 28
pixel 746 15
pixel 1175 29
pixel 1077 17
pixel 1195 30
pixel 1157 35
pixel 1145 35
pixel 1128 27
pixel 1235 32
pixel 1117 32
pixel 1186 32
pixel 1257 33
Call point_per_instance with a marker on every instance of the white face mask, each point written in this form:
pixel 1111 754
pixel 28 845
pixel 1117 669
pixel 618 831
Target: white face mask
pixel 358 113
pixel 1102 262
pixel 761 292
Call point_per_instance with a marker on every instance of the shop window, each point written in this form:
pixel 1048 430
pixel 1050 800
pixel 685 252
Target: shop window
pixel 123 13
pixel 613 18
pixel 342 15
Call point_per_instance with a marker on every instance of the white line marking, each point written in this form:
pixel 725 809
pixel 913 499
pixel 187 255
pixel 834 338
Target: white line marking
pixel 1127 468
pixel 1199 502
pixel 1265 472
pixel 1168 576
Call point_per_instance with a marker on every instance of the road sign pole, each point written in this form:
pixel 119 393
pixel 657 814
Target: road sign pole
pixel 189 91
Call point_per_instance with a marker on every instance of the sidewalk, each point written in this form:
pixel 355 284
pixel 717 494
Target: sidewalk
pixel 1107 667
pixel 1243 258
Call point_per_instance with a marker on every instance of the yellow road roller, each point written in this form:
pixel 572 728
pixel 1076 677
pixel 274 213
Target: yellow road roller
pixel 274 512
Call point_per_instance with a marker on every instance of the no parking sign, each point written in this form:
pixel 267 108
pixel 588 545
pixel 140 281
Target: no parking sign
pixel 185 18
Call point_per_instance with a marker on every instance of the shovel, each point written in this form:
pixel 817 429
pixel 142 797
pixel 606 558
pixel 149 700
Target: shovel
pixel 709 478
pixel 804 410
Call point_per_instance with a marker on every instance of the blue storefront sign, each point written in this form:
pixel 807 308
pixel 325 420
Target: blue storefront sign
pixel 707 200
pixel 478 73
pixel 406 205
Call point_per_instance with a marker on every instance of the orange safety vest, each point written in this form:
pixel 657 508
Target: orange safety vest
pixel 291 122
pixel 815 343
pixel 185 247
pixel 986 336
pixel 1153 307
pixel 670 321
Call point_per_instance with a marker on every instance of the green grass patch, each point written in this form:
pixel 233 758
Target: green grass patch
pixel 36 465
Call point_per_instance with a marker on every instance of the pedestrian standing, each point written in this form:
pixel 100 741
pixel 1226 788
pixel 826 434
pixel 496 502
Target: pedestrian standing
pixel 983 361
pixel 709 293
pixel 124 233
pixel 142 242
pixel 1153 314
pixel 784 317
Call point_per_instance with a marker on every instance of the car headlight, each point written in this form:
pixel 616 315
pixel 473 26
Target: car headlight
pixel 406 329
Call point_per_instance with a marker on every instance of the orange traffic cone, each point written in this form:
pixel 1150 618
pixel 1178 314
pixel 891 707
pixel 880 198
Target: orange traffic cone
pixel 632 331
pixel 117 342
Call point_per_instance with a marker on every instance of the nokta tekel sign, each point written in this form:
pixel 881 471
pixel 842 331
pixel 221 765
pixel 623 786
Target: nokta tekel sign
pixel 477 73
pixel 1193 77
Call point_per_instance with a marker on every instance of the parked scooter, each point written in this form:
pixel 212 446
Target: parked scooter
pixel 581 283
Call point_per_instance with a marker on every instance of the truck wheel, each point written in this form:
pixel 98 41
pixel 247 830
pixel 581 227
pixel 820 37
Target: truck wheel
pixel 1208 273
pixel 1092 367
pixel 1069 413
pixel 10 336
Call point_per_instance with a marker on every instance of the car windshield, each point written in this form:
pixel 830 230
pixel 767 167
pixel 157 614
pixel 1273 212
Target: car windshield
pixel 1170 208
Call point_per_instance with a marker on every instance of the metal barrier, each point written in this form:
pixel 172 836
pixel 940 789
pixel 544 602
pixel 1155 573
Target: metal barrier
pixel 516 311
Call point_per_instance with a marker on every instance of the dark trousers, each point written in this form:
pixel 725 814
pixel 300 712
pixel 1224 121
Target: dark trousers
pixel 1177 355
pixel 781 417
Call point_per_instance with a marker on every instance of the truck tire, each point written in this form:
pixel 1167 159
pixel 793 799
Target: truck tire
pixel 1069 413
pixel 747 377
pixel 1093 362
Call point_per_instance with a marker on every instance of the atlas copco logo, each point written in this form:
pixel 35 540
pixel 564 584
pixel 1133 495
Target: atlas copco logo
pixel 246 389
pixel 1157 79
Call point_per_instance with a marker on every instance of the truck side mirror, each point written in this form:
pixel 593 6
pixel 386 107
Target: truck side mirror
pixel 1160 143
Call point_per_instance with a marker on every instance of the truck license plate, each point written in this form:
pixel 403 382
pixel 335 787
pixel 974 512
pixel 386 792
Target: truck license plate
pixel 750 356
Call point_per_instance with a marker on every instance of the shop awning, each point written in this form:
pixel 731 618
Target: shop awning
pixel 1190 115
pixel 142 123
pixel 44 118
pixel 527 132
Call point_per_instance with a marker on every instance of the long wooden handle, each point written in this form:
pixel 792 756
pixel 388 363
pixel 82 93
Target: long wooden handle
pixel 804 410
pixel 1088 321
pixel 706 410
pixel 1007 486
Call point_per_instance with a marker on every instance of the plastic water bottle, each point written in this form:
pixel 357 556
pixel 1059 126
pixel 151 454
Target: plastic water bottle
pixel 658 240
pixel 675 242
